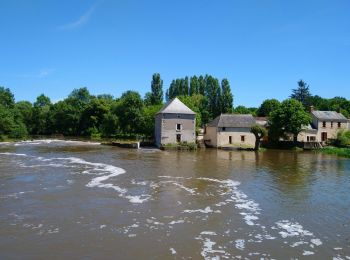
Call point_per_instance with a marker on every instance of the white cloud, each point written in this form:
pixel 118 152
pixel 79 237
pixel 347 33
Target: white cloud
pixel 80 21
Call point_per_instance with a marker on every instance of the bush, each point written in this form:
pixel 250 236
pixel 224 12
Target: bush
pixel 343 138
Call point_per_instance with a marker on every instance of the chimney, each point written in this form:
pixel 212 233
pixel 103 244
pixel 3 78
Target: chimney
pixel 311 108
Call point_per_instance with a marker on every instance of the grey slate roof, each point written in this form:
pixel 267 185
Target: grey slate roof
pixel 329 116
pixel 232 120
pixel 175 106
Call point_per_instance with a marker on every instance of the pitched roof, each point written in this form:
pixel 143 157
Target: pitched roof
pixel 175 106
pixel 233 120
pixel 329 115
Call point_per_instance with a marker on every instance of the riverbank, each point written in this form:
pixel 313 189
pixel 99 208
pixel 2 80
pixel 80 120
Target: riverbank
pixel 343 152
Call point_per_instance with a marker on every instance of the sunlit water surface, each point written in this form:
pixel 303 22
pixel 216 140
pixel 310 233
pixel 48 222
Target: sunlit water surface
pixel 82 200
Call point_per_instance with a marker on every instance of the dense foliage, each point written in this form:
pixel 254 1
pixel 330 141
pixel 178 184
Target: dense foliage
pixel 215 98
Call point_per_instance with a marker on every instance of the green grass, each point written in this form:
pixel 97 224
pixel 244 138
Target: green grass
pixel 343 152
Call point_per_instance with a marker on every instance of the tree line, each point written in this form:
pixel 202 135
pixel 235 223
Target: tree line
pixel 83 114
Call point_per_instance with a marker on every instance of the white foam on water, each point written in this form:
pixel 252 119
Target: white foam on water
pixel 172 250
pixel 308 252
pixel 15 154
pixel 137 199
pixel 210 233
pixel 192 191
pixel 316 241
pixel 290 229
pixel 240 244
pixel 177 222
pixel 102 226
pixel 206 210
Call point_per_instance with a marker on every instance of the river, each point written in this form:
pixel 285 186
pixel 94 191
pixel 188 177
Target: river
pixel 67 199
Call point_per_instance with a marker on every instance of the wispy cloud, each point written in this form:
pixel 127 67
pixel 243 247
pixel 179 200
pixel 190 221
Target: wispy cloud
pixel 42 73
pixel 83 19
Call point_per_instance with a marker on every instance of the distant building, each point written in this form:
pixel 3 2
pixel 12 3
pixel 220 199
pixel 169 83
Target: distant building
pixel 325 125
pixel 230 130
pixel 175 123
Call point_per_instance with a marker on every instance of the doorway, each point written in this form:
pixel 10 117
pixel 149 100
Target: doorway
pixel 178 138
pixel 324 136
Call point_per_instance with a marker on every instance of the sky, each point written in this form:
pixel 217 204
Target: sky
pixel 263 47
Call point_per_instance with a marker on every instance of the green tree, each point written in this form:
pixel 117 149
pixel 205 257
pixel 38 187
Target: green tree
pixel 213 93
pixel 226 98
pixel 302 93
pixel 289 118
pixel 194 85
pixel 148 121
pixel 156 97
pixel 268 106
pixel 25 113
pixel 41 115
pixel 129 111
pixel 6 98
pixel 259 133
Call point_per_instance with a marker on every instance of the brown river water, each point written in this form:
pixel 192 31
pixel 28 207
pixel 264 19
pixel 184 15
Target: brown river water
pixel 77 200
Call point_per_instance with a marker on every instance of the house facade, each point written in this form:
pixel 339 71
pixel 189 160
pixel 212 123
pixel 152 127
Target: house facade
pixel 325 125
pixel 229 130
pixel 175 123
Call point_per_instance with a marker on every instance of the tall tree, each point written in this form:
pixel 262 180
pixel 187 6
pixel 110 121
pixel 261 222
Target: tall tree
pixel 194 85
pixel 302 93
pixel 157 89
pixel 289 118
pixel 213 93
pixel 226 98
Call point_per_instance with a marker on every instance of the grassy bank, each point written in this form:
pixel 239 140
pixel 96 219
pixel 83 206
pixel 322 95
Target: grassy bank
pixel 344 152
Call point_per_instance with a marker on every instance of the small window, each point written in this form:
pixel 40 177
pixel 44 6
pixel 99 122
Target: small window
pixel 224 129
pixel 178 127
pixel 323 124
pixel 339 124
pixel 331 124
pixel 242 138
pixel 178 116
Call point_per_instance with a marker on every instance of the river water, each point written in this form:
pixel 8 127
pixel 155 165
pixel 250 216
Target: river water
pixel 62 199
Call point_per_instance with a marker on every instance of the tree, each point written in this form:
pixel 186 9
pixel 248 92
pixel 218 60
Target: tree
pixel 245 110
pixel 194 85
pixel 41 113
pixel 259 133
pixel 198 105
pixel 6 98
pixel 226 98
pixel 25 112
pixel 268 106
pixel 213 93
pixel 129 111
pixel 289 118
pixel 157 89
pixel 302 93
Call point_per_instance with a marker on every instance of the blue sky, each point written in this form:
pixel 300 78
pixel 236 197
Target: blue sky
pixel 262 46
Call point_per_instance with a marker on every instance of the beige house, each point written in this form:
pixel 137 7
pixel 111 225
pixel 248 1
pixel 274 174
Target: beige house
pixel 325 125
pixel 175 123
pixel 229 130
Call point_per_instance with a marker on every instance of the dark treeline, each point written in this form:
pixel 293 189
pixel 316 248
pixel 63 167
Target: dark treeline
pixel 83 114
pixel 204 95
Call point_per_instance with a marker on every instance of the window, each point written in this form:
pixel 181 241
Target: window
pixel 230 139
pixel 242 138
pixel 331 124
pixel 224 129
pixel 323 124
pixel 339 124
pixel 178 127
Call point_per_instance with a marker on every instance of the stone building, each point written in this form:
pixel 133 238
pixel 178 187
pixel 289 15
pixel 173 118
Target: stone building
pixel 230 130
pixel 325 125
pixel 175 123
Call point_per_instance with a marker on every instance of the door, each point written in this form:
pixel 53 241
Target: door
pixel 178 138
pixel 230 139
pixel 324 136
